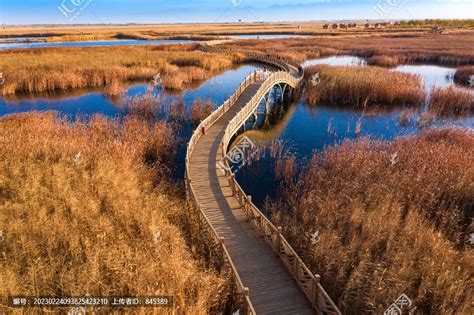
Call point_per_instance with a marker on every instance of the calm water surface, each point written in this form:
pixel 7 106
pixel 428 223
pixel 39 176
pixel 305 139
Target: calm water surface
pixel 98 43
pixel 306 129
pixel 85 103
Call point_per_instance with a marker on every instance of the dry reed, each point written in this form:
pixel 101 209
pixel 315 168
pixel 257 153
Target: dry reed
pixel 393 218
pixel 62 68
pixel 454 49
pixel 361 87
pixel 451 102
pixel 86 210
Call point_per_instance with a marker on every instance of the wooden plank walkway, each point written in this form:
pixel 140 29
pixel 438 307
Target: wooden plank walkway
pixel 273 289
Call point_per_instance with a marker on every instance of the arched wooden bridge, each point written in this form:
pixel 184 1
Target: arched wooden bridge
pixel 268 275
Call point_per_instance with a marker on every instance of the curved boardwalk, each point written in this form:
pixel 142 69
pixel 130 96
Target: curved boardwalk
pixel 272 288
pixel 268 275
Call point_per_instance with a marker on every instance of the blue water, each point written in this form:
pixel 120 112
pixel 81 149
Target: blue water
pixel 306 129
pixel 99 43
pixel 218 89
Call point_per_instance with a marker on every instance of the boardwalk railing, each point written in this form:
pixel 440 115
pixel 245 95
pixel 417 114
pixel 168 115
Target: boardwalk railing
pixel 218 245
pixel 309 283
pixel 224 261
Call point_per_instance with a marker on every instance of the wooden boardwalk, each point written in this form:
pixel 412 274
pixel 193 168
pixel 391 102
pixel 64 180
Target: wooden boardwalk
pixel 273 290
pixel 267 274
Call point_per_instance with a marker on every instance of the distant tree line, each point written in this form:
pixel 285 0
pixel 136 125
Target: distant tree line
pixel 438 22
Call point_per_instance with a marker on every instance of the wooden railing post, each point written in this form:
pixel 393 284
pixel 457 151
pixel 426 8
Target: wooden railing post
pixel 278 240
pixel 232 183
pixel 315 295
pixel 246 297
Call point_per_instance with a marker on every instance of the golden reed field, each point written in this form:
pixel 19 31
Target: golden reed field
pixel 392 217
pixel 50 69
pixel 87 208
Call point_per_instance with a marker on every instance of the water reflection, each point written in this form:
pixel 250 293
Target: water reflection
pixel 86 102
pixel 430 75
pixel 306 129
pixel 95 101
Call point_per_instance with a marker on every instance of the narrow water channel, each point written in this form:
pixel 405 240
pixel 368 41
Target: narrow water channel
pixel 84 103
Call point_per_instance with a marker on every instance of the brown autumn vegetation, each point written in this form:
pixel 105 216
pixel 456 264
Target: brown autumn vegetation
pixel 451 102
pixel 393 218
pixel 463 75
pixel 86 208
pixel 147 31
pixel 156 107
pixel 454 49
pixel 362 86
pixel 62 68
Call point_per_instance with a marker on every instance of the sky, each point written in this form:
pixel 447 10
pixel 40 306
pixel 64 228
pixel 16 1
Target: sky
pixel 14 12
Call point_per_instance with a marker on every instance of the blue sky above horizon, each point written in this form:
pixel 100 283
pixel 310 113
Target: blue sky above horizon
pixel 14 12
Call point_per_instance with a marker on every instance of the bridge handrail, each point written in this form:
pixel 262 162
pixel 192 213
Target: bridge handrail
pixel 219 248
pixel 278 62
pixel 212 234
pixel 221 110
pixel 309 283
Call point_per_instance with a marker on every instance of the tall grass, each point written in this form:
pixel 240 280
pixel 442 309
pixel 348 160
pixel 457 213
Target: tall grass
pixel 454 49
pixel 154 107
pixel 201 109
pixel 86 209
pixel 61 68
pixel 362 86
pixel 451 102
pixel 393 218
